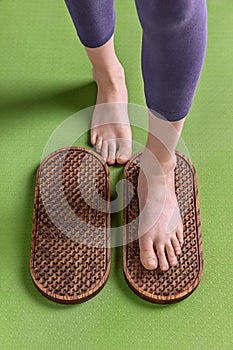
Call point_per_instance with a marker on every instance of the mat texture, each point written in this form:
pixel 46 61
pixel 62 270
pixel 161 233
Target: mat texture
pixel 70 254
pixel 179 281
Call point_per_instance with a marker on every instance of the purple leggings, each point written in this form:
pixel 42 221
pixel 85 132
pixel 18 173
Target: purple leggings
pixel 173 46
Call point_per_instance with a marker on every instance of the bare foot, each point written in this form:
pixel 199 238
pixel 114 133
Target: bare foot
pixel 110 128
pixel 160 223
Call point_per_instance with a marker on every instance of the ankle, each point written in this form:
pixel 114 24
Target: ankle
pixel 157 164
pixel 109 77
pixel 166 158
pixel 168 166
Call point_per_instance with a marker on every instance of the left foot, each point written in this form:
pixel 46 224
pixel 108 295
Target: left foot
pixel 160 225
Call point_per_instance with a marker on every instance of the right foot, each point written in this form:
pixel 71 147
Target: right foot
pixel 110 128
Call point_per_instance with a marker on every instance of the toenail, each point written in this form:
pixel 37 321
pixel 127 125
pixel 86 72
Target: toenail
pixel 163 267
pixel 151 262
pixel 122 157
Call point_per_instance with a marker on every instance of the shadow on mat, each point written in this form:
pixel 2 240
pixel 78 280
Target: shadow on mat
pixel 77 97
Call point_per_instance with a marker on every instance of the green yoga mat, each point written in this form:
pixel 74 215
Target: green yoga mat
pixel 45 77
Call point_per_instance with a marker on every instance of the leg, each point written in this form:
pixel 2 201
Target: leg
pixel 173 51
pixel 110 130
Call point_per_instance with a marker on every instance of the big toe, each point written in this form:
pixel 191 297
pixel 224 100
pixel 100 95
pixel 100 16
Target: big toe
pixel 124 151
pixel 147 253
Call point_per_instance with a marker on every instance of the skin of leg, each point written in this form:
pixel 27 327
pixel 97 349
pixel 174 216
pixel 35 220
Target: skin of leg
pixel 161 227
pixel 110 129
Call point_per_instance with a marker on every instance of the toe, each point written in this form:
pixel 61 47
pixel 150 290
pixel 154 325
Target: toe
pixel 147 253
pixel 171 254
pixel 98 145
pixel 93 137
pixel 104 150
pixel 122 159
pixel 111 152
pixel 176 245
pixel 162 258
pixel 179 233
pixel 124 151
